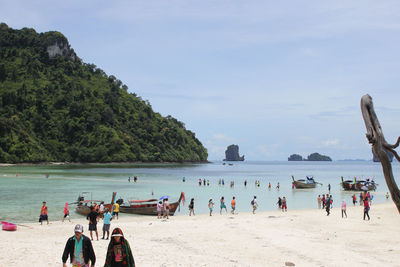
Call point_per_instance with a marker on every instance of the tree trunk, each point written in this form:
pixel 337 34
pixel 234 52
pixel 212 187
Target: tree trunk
pixel 379 146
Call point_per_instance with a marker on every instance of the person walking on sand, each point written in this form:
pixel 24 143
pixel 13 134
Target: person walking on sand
pixel 191 207
pixel 66 212
pixel 323 201
pixel 344 205
pixel 222 205
pixel 366 208
pixel 159 208
pixel 93 217
pixel 107 217
pixel 254 204
pixel 319 201
pixel 210 206
pixel 233 205
pixel 79 249
pixel 328 205
pixel 119 253
pixel 43 214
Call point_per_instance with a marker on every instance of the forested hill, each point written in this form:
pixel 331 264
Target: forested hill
pixel 54 107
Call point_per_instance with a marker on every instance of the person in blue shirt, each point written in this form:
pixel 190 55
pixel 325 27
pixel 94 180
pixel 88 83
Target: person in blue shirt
pixel 106 223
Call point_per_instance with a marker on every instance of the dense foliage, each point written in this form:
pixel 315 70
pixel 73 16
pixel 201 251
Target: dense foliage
pixel 57 108
pixel 311 157
pixel 295 157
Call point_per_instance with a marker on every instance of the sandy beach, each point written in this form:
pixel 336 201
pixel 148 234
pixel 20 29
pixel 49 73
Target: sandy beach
pixel 299 237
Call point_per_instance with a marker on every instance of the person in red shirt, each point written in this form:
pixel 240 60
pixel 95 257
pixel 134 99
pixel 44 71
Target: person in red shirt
pixel 233 205
pixel 366 208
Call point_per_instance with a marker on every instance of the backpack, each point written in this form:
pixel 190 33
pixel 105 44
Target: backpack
pixel 252 202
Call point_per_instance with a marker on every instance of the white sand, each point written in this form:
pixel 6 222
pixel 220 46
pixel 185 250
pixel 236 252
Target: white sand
pixel 305 238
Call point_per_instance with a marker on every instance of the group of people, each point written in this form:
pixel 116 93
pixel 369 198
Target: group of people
pixel 81 253
pixel 326 201
pixel 222 205
pixel 163 209
pixel 282 203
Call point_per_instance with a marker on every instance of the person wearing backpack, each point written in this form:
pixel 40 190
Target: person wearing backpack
pixel 254 204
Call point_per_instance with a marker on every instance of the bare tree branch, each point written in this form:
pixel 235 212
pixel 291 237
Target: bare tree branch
pixel 379 145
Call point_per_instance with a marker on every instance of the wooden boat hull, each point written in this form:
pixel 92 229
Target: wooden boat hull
pixel 85 210
pixel 349 185
pixel 147 209
pixel 301 185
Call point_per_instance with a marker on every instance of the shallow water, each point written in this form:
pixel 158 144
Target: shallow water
pixel 23 188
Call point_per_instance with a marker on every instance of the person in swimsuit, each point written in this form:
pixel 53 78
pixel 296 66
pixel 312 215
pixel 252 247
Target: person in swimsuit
pixel 222 205
pixel 211 206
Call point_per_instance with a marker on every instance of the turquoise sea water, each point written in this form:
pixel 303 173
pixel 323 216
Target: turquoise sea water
pixel 21 195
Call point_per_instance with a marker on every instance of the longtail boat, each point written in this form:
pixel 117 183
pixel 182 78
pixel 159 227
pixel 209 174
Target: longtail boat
pixel 358 185
pixel 83 206
pixel 309 182
pixel 148 206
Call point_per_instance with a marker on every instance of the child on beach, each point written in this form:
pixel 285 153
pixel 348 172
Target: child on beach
pixel 191 207
pixel 254 204
pixel 43 214
pixel 66 212
pixel 233 205
pixel 159 208
pixel 222 206
pixel 211 206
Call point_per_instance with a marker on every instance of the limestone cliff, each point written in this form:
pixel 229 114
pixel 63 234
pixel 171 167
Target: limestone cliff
pixel 232 154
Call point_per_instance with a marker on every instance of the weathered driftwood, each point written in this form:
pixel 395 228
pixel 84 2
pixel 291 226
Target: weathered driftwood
pixel 379 145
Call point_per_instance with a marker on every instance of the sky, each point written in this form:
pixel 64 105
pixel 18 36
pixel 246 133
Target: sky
pixel 274 77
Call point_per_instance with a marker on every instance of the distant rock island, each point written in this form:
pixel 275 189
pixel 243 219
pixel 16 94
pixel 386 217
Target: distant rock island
pixel 232 154
pixel 312 157
pixel 376 159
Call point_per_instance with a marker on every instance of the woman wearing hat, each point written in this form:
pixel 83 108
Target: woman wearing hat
pixel 119 252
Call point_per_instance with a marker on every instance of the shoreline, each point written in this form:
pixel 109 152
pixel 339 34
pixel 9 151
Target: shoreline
pixel 268 238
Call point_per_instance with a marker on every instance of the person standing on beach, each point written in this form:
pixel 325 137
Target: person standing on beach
pixel 284 205
pixel 361 198
pixel 115 210
pixel 191 207
pixel 222 205
pixel 166 208
pixel 366 208
pixel 66 213
pixel 354 199
pixel 328 205
pixel 107 217
pixel 279 202
pixel 159 208
pixel 119 252
pixel 254 204
pixel 43 214
pixel 323 201
pixel 93 217
pixel 319 201
pixel 233 205
pixel 211 206
pixel 344 205
pixel 101 209
pixel 80 250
